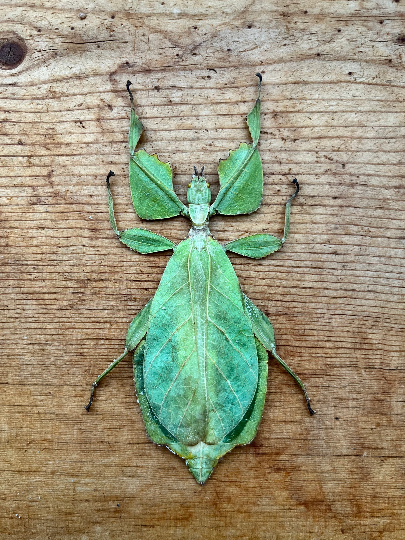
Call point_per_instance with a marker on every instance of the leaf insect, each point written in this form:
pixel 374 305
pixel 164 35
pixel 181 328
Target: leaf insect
pixel 200 360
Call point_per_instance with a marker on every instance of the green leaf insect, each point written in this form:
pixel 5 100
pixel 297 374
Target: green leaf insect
pixel 200 360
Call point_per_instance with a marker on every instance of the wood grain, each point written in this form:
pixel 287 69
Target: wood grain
pixel 333 116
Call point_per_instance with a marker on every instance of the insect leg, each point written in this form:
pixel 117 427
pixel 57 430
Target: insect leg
pixel 110 367
pixel 288 210
pixel 257 246
pixel 296 379
pixel 263 330
pixel 140 240
pixel 111 205
pixel 136 331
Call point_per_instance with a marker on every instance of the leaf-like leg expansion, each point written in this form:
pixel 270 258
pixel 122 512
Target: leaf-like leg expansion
pixel 257 246
pixel 140 240
pixel 136 331
pixel 263 330
pixel 253 118
pixel 136 127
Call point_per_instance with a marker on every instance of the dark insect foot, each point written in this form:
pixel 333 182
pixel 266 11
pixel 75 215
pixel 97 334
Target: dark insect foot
pixel 109 175
pixel 297 189
pixel 87 407
pixel 311 410
pixel 131 97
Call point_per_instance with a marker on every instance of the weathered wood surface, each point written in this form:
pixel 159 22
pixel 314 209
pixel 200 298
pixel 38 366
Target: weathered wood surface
pixel 333 108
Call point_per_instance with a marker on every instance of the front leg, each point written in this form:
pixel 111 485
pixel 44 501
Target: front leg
pixel 257 246
pixel 140 240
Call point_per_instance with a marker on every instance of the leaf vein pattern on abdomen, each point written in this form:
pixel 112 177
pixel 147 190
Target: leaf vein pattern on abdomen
pixel 200 346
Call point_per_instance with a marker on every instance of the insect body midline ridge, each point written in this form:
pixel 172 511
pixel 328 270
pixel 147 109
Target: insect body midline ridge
pixel 199 236
pixel 200 369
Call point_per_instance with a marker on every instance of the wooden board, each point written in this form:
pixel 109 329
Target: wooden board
pixel 333 104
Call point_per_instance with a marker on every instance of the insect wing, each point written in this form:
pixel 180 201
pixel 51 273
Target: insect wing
pixel 201 366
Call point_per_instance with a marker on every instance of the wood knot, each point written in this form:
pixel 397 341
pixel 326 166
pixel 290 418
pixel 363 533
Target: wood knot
pixel 401 39
pixel 12 53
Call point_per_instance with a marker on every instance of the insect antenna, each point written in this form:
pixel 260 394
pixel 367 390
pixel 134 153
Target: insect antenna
pixel 196 173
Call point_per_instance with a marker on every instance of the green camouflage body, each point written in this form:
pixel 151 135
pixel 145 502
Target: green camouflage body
pixel 200 366
pixel 200 360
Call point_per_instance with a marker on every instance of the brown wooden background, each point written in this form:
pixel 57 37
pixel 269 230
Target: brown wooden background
pixel 332 116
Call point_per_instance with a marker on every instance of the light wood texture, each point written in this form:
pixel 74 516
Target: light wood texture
pixel 333 104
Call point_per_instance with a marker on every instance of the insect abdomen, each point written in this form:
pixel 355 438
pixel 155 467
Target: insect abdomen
pixel 203 462
pixel 200 363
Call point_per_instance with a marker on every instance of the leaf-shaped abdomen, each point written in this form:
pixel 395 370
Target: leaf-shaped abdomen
pixel 201 363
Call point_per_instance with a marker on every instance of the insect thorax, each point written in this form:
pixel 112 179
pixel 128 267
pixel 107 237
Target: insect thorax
pixel 199 236
pixel 199 198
